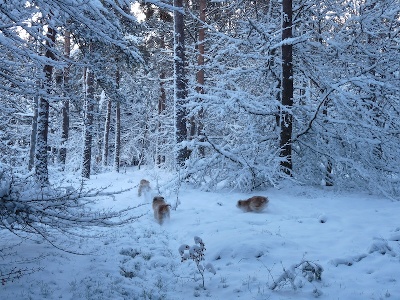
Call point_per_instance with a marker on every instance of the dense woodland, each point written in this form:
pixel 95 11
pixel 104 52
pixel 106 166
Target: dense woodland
pixel 240 93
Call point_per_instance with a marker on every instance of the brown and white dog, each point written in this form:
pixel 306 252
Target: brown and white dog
pixel 144 186
pixel 161 209
pixel 253 204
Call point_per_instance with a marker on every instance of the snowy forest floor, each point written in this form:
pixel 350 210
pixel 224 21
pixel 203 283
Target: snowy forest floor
pixel 353 236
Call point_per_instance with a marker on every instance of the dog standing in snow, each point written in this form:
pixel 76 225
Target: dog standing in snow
pixel 161 209
pixel 144 187
pixel 253 204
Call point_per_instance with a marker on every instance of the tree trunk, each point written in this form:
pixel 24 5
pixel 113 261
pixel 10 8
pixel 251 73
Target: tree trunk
pixel 117 128
pixel 161 106
pixel 88 123
pixel 107 132
pixel 329 167
pixel 65 105
pixel 201 49
pixel 286 119
pixel 33 133
pixel 32 149
pixel 41 161
pixel 180 88
pixel 200 62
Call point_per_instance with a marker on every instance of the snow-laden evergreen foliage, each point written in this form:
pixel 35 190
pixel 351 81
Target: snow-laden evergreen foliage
pixel 346 84
pixel 347 104
pixel 346 61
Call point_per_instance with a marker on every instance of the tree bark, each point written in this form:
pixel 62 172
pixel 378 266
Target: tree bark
pixel 41 161
pixel 161 106
pixel 88 122
pixel 201 48
pixel 180 86
pixel 286 118
pixel 107 132
pixel 200 76
pixel 117 127
pixel 65 104
pixel 33 133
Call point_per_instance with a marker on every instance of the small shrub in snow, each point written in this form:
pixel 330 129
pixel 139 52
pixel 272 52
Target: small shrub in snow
pixel 224 283
pixel 349 261
pixel 126 273
pixel 381 246
pixel 316 293
pixel 130 252
pixel 309 270
pixel 196 253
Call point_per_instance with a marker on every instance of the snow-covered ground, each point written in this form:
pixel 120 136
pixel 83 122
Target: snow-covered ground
pixel 354 237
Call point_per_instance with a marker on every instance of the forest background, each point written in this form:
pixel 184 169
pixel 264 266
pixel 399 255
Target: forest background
pixel 240 92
